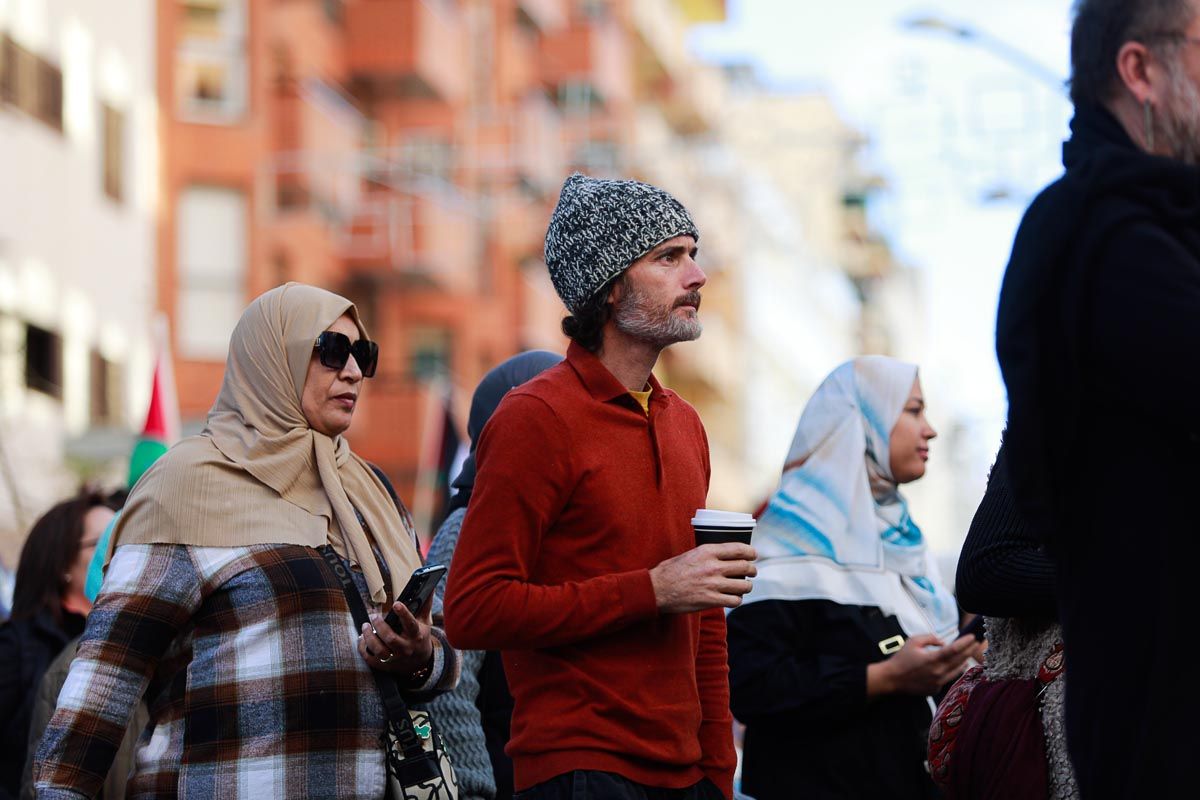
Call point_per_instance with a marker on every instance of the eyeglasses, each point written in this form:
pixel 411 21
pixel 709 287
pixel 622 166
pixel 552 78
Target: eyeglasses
pixel 335 349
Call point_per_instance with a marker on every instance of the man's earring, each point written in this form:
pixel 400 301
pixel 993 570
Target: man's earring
pixel 1148 124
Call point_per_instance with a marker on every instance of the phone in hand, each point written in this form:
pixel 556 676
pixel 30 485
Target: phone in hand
pixel 973 628
pixel 418 591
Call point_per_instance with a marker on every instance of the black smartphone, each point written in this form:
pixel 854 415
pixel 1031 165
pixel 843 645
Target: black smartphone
pixel 973 628
pixel 418 591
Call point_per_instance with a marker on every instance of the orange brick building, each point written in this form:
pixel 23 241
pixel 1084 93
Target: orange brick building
pixel 406 153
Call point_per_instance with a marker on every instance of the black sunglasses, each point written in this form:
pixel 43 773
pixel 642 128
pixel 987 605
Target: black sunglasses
pixel 335 349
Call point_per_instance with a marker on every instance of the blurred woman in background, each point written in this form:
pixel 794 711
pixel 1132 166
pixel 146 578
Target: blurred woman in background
pixel 49 610
pixel 849 628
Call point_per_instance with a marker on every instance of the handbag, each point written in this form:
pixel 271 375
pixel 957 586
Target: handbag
pixel 987 738
pixel 418 764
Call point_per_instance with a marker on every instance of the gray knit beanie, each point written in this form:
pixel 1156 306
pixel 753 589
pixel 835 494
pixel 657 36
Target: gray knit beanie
pixel 600 227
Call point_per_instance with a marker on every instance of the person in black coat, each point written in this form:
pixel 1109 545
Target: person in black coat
pixel 1097 336
pixel 1005 573
pixel 49 607
pixel 849 629
pixel 1004 569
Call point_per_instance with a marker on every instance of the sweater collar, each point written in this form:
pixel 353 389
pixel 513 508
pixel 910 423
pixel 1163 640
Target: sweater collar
pixel 602 384
pixel 1094 128
pixel 1101 159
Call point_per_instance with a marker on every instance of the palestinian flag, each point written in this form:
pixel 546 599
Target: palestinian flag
pixel 162 419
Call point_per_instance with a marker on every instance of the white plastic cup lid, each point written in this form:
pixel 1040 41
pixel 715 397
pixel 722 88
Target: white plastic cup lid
pixel 711 518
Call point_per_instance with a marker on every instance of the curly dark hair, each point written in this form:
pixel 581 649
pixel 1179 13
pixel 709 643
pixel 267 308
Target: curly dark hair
pixel 1101 29
pixel 586 326
pixel 49 552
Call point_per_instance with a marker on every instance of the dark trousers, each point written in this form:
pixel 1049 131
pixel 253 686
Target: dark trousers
pixel 586 784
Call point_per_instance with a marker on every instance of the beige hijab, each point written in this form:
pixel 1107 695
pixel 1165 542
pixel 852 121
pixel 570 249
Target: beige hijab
pixel 258 474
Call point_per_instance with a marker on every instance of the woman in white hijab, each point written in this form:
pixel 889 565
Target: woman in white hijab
pixel 219 607
pixel 849 627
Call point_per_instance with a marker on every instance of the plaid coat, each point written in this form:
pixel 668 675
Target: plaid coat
pixel 248 660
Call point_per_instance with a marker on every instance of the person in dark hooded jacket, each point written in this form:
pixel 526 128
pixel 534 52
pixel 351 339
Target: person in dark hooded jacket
pixel 475 716
pixel 1097 335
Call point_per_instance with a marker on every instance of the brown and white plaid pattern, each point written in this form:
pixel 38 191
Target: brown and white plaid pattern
pixel 247 658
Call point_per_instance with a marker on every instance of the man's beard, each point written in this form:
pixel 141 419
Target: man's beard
pixel 638 317
pixel 1179 121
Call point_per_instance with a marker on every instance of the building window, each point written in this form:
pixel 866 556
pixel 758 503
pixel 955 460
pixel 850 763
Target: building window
pixel 8 69
pixel 49 103
pixel 594 10
pixel 43 361
pixel 429 353
pixel 106 391
pixel 211 60
pixel 31 83
pixel 423 156
pixel 211 260
pixel 335 10
pixel 579 99
pixel 113 142
pixel 598 156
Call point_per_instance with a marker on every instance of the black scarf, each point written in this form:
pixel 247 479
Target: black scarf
pixel 1042 323
pixel 491 390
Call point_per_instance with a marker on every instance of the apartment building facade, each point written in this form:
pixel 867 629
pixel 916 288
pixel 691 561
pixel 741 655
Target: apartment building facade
pixel 78 188
pixel 406 153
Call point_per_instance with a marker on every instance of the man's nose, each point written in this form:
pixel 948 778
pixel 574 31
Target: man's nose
pixel 695 275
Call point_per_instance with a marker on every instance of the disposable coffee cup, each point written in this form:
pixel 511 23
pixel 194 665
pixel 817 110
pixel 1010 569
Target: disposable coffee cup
pixel 717 527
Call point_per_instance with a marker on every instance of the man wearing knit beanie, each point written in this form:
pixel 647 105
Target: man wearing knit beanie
pixel 577 559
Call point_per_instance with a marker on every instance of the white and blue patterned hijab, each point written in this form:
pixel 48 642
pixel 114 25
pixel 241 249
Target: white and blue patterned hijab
pixel 837 527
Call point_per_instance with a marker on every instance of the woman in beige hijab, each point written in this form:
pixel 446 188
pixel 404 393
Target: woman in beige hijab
pixel 219 606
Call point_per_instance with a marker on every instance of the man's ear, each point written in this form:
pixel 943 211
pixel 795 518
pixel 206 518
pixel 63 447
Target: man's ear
pixel 616 290
pixel 1140 71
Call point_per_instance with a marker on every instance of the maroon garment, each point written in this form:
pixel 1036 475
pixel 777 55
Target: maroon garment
pixel 1001 749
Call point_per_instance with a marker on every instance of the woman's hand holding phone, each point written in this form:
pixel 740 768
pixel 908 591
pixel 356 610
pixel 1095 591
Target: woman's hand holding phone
pixel 922 666
pixel 402 649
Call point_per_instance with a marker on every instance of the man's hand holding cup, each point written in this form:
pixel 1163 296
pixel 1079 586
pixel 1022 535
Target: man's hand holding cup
pixel 714 574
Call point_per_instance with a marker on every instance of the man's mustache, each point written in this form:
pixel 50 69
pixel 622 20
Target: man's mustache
pixel 689 299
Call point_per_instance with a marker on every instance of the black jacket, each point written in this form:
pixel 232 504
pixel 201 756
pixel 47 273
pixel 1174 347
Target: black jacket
pixel 1004 570
pixel 798 681
pixel 27 647
pixel 1098 335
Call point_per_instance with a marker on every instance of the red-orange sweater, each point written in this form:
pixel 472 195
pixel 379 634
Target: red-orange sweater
pixel 579 493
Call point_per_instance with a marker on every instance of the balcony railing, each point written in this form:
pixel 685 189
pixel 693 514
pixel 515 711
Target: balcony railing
pixel 595 55
pixel 408 47
pixel 426 239
pixel 545 15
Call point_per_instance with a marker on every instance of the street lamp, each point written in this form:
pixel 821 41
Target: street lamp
pixel 997 47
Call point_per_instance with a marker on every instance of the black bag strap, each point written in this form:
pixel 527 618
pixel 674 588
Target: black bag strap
pixel 387 484
pixel 393 703
pixel 405 515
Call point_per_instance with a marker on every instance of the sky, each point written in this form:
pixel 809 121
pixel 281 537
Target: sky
pixel 963 136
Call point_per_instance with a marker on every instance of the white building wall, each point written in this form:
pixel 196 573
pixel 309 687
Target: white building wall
pixel 801 315
pixel 72 259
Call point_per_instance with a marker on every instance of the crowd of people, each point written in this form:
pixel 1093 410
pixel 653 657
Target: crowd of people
pixel 242 625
